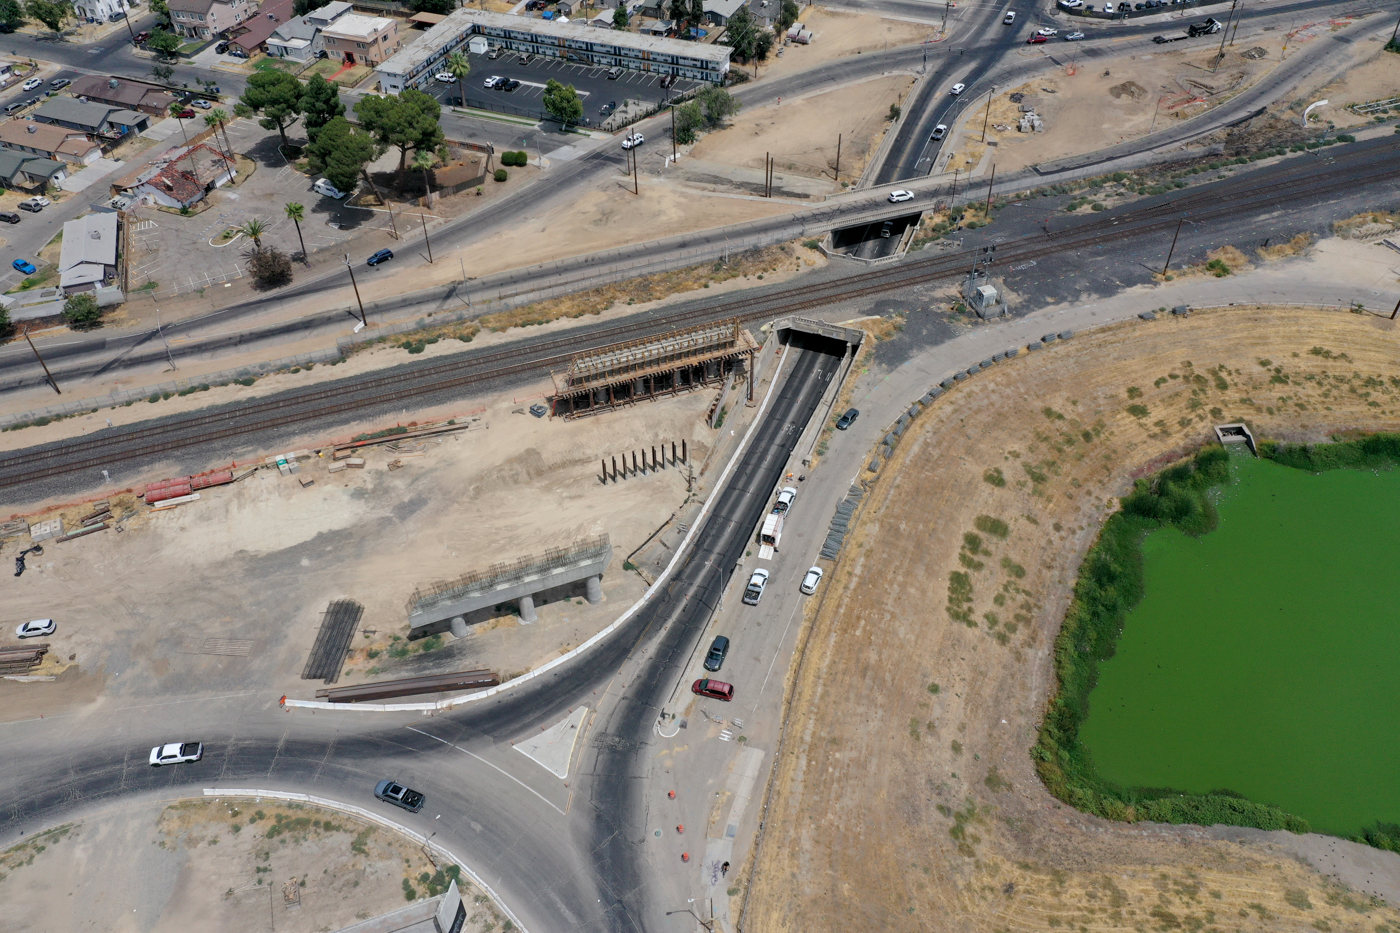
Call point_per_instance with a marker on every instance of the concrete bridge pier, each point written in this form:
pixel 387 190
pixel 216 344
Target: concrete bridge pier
pixel 527 609
pixel 458 626
pixel 594 590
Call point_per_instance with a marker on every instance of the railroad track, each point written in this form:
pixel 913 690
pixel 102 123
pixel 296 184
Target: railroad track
pixel 1342 170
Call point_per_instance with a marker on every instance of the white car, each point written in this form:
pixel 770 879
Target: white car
pixel 445 77
pixel 636 139
pixel 957 89
pixel 754 591
pixel 1071 4
pixel 177 753
pixel 493 81
pixel 901 195
pixel 1074 37
pixel 321 186
pixel 203 104
pixel 809 582
pixel 939 132
pixel 40 200
pixel 32 83
pixel 1047 31
pixel 36 628
pixel 785 497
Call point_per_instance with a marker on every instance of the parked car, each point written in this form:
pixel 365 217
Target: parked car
pixel 38 626
pixel 939 132
pixel 526 58
pixel 887 228
pixel 714 658
pixel 1047 31
pixel 901 195
pixel 714 689
pixel 400 796
pixel 144 34
pixel 754 591
pixel 785 497
pixel 32 83
pixel 13 106
pixel 445 77
pixel 203 105
pixel 606 109
pixel 221 48
pixel 1071 4
pixel 177 753
pixel 848 419
pixel 31 205
pixel 1075 37
pixel 58 83
pixel 510 85
pixel 321 186
pixel 614 73
pixel 10 217
pixel 636 139
pixel 494 53
pixel 40 200
pixel 957 89
pixel 810 581
pixel 539 410
pixel 186 114
pixel 25 266
pixel 1036 40
pixel 667 81
pixel 492 81
pixel 384 255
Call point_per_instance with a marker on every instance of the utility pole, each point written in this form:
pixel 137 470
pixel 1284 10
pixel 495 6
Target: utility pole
pixel 1236 30
pixel 635 189
pixel 364 322
pixel 127 19
pixel 160 330
pixel 1395 33
pixel 426 241
pixel 1223 35
pixel 673 134
pixel 767 188
pixel 53 382
pixel 1168 263
pixel 1396 311
pixel 988 115
pixel 838 157
pixel 953 196
pixel 991 182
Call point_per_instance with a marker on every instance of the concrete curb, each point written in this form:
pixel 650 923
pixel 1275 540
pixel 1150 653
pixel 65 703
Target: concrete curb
pixel 373 818
pixel 596 639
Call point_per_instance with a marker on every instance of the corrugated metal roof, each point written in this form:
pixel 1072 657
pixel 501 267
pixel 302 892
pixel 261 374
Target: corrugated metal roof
pixel 89 239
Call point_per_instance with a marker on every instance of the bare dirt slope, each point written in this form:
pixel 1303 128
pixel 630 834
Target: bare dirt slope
pixel 905 797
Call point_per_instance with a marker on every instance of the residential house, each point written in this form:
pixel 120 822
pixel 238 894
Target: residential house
pixel 204 19
pixel 88 256
pixel 102 120
pixel 567 7
pixel 184 177
pixel 717 12
pixel 29 172
pixel 651 9
pixel 124 93
pixel 356 39
pixel 100 11
pixel 603 19
pixel 49 141
pixel 660 27
pixel 300 38
pixel 253 35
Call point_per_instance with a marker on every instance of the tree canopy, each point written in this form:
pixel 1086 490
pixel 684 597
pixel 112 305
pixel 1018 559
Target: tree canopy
pixel 320 102
pixel 405 121
pixel 433 6
pixel 750 41
pixel 717 105
pixel 277 96
pixel 11 15
pixel 81 311
pixel 163 43
pixel 620 17
pixel 562 102
pixel 302 7
pixel 51 13
pixel 341 152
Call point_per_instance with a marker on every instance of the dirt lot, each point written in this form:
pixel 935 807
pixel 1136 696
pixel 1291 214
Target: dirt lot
pixel 802 132
pixel 237 865
pixel 510 487
pixel 1377 79
pixel 905 798
pixel 839 33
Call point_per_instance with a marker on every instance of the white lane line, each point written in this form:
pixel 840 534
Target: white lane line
pixel 489 765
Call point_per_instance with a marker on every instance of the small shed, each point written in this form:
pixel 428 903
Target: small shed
pixel 479 45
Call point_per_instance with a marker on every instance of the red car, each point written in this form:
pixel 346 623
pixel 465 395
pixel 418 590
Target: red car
pixel 1036 40
pixel 185 114
pixel 714 689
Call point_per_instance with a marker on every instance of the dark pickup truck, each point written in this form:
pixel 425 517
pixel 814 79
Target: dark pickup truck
pixel 399 796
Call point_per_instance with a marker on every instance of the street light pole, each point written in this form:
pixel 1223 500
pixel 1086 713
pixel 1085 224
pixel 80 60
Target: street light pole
pixel 1168 263
pixel 988 115
pixel 364 322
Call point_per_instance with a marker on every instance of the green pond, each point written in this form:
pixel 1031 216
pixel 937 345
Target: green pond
pixel 1264 658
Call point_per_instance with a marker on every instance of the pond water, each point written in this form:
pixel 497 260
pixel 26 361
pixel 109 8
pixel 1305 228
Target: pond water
pixel 1265 656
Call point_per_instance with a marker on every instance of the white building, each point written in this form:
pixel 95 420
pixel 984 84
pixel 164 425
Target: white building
pixel 99 10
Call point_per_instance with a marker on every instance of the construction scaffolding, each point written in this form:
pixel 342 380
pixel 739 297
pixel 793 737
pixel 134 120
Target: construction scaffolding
pixel 625 373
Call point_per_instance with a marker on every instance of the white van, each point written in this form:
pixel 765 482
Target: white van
pixel 321 186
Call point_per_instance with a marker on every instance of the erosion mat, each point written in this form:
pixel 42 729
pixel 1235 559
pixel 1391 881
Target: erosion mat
pixel 905 795
pixel 1257 656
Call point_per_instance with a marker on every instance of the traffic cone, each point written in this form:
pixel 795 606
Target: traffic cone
pixel 671 794
pixel 685 856
pixel 680 829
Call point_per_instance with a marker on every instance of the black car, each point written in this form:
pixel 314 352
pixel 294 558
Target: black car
pixel 510 85
pixel 718 649
pixel 400 796
pixel 848 419
pixel 384 255
pixel 667 81
pixel 221 48
pixel 9 217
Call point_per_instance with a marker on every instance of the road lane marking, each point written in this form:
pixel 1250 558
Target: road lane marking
pixel 489 765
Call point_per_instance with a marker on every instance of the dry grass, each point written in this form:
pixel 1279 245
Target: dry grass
pixel 1293 247
pixel 1368 224
pixel 643 289
pixel 904 797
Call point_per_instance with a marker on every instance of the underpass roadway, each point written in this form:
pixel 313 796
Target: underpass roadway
pixel 563 855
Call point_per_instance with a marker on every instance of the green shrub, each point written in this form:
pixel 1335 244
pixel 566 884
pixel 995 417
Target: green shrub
pixel 1097 206
pixel 501 174
pixel 1110 585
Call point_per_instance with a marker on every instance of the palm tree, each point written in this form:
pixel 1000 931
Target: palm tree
pixel 459 68
pixel 254 229
pixel 220 117
pixel 424 161
pixel 297 214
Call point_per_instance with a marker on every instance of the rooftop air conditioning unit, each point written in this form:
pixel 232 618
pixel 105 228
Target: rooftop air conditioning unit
pixel 113 83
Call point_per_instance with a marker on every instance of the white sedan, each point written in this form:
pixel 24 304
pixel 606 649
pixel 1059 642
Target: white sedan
pixel 493 81
pixel 444 76
pixel 41 200
pixel 177 753
pixel 957 89
pixel 636 139
pixel 809 582
pixel 901 195
pixel 36 628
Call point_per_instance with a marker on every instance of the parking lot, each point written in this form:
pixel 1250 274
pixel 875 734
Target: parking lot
pixel 592 82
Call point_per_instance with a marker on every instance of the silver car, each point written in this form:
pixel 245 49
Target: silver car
pixel 36 628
